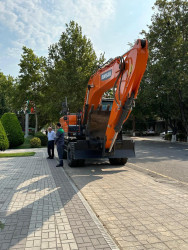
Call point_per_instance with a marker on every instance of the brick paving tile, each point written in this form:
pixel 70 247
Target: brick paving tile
pixel 41 209
pixel 137 211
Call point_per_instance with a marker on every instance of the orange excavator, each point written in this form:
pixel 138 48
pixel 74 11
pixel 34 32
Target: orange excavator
pixel 96 131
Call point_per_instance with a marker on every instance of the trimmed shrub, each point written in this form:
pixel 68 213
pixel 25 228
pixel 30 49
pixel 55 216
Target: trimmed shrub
pixel 4 143
pixel 168 137
pixel 43 138
pixel 13 129
pixel 35 142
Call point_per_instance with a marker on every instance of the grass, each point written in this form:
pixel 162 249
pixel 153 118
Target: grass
pixel 2 155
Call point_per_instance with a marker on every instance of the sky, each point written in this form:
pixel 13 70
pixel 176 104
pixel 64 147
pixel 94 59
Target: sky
pixel 36 24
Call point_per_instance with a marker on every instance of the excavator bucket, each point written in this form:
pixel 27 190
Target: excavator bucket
pixel 97 123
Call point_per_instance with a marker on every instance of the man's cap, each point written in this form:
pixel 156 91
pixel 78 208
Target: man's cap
pixel 59 124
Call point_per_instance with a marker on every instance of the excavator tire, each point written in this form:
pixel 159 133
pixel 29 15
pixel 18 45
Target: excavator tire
pixel 70 159
pixel 118 161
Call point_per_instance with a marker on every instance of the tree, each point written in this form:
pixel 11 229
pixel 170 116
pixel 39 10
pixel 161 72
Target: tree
pixel 13 129
pixel 6 91
pixel 4 143
pixel 166 79
pixel 30 84
pixel 71 62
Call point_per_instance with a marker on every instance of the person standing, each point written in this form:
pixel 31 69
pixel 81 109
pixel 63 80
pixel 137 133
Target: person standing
pixel 59 141
pixel 51 138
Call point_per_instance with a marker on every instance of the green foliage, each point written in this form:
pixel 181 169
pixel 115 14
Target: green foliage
pixel 4 143
pixel 30 83
pixel 43 138
pixel 31 78
pixel 13 129
pixel 6 90
pixel 32 133
pixel 65 73
pixel 168 137
pixel 164 89
pixel 71 62
pixel 35 142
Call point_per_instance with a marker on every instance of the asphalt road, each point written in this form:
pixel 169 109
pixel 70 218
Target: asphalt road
pixel 166 161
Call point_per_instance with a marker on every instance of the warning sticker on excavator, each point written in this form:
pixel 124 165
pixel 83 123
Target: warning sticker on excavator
pixel 106 75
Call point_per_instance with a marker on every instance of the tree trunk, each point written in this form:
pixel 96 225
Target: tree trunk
pixel 173 138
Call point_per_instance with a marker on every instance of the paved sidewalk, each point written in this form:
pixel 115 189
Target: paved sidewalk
pixel 42 209
pixel 139 211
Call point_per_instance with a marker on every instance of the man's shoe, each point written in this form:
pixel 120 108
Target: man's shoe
pixel 57 166
pixel 49 157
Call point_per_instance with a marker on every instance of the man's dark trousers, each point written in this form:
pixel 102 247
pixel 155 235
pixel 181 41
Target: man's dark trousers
pixel 60 154
pixel 51 149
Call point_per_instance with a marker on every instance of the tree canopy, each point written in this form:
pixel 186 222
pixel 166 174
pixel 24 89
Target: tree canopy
pixel 64 73
pixel 71 62
pixel 30 84
pixel 164 89
pixel 6 91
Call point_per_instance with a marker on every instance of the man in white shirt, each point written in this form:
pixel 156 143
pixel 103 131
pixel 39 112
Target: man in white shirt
pixel 51 138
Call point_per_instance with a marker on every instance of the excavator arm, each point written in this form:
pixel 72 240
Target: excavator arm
pixel 123 75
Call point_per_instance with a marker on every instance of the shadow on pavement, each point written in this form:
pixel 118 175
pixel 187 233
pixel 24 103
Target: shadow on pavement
pixel 52 192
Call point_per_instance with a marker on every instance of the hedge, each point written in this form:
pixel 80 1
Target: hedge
pixel 4 143
pixel 35 142
pixel 13 129
pixel 43 138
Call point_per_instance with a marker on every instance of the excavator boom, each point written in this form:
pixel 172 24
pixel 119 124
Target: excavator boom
pixel 123 74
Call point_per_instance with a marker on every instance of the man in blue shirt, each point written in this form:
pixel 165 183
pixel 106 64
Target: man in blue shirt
pixel 59 141
pixel 51 138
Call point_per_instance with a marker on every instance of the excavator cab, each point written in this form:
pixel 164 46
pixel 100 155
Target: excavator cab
pixel 107 103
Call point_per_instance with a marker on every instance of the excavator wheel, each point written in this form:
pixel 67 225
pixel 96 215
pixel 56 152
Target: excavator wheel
pixel 70 159
pixel 118 161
